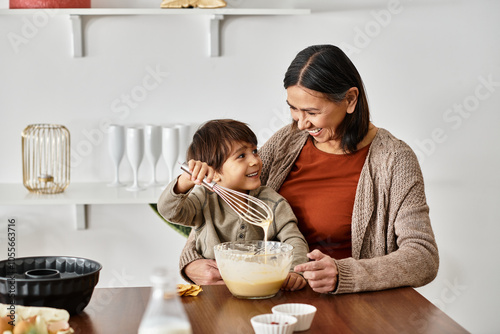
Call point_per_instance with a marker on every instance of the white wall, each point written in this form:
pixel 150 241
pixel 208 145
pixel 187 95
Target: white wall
pixel 421 63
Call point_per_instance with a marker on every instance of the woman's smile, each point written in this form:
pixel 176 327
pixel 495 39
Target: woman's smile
pixel 314 112
pixel 316 132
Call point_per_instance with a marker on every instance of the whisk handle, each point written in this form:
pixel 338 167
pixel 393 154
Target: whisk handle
pixel 210 185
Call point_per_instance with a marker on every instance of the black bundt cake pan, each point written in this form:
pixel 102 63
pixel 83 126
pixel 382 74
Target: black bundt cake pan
pixel 53 281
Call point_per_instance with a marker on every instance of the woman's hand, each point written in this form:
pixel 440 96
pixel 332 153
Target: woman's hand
pixel 204 272
pixel 293 282
pixel 321 273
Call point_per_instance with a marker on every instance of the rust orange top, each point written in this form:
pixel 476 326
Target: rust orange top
pixel 325 184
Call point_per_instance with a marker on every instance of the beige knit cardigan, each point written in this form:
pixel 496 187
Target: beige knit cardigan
pixel 393 244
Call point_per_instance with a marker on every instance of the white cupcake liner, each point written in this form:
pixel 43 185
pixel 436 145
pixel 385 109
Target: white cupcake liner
pixel 273 324
pixel 303 312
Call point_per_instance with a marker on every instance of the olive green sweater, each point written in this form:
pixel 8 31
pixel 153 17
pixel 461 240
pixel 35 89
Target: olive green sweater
pixel 214 222
pixel 393 244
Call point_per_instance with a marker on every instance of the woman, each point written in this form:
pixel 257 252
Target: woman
pixel 357 191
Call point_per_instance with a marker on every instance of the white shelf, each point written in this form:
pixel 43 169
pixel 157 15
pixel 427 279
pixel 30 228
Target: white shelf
pixel 160 11
pixel 80 195
pixel 216 15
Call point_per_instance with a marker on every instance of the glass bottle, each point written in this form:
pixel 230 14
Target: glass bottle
pixel 164 313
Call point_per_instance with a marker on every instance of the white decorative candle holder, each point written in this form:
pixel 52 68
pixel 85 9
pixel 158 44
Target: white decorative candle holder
pixel 152 140
pixel 135 153
pixel 116 146
pixel 170 148
pixel 184 140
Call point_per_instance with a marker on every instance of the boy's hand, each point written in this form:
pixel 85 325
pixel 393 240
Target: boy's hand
pixel 199 170
pixel 293 282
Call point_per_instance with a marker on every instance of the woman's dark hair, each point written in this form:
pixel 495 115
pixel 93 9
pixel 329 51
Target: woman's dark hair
pixel 212 142
pixel 327 69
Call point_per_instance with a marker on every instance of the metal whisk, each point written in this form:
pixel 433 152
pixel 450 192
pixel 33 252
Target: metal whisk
pixel 249 208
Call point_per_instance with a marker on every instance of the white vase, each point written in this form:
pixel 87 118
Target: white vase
pixel 116 147
pixel 152 140
pixel 170 148
pixel 135 153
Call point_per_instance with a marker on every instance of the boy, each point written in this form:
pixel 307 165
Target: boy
pixel 225 151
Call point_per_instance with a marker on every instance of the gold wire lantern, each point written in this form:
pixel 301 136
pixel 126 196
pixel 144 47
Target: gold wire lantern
pixel 46 156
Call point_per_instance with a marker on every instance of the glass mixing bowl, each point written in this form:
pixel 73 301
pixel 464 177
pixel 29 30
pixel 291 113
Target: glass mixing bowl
pixel 253 269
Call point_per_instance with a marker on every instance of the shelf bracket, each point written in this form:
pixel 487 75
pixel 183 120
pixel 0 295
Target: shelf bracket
pixel 214 34
pixel 81 216
pixel 77 35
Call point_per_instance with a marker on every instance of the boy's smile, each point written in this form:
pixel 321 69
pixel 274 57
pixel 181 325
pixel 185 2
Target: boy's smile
pixel 241 171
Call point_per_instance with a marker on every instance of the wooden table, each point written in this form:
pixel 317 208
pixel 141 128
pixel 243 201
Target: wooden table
pixel 215 310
